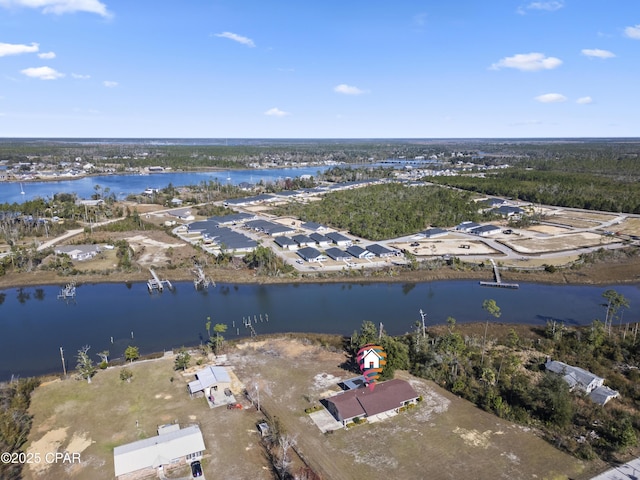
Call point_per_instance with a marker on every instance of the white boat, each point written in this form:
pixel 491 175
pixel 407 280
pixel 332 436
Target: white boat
pixel 21 189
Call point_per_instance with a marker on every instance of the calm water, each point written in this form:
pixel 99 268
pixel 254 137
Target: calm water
pixel 123 185
pixel 35 324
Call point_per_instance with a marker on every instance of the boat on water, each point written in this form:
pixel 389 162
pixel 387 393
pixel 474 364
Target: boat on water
pixel 21 189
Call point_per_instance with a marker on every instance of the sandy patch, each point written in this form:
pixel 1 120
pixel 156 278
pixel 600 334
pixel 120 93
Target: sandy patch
pixel 78 443
pixel 143 240
pixel 474 438
pixel 50 442
pixel 548 229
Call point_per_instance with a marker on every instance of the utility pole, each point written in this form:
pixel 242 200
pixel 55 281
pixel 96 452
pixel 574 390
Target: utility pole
pixel 64 367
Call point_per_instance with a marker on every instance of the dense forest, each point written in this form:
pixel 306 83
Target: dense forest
pixel 387 211
pixel 567 189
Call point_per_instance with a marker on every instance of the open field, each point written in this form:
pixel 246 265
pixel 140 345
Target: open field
pixel 91 419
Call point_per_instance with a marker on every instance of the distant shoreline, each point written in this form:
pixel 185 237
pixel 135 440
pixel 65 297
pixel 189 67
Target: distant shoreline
pixel 595 274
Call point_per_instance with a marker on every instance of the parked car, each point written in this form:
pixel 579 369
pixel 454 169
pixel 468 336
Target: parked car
pixel 196 469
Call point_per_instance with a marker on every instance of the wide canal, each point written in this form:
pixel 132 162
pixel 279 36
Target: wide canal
pixel 36 324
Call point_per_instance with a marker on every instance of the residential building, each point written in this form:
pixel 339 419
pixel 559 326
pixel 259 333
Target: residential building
pixel 173 445
pixel 383 400
pixel 579 379
pixel 359 252
pixel 78 252
pixel 339 239
pixel 310 254
pixel 338 255
pixel 381 251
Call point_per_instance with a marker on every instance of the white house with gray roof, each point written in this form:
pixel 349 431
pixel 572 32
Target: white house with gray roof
pixel 582 380
pixel 173 445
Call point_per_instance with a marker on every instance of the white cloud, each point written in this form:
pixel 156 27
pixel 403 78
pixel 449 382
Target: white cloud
pixel 584 100
pixel 110 84
pixel 79 76
pixel 551 98
pixel 47 55
pixel 420 19
pixel 43 73
pixel 236 38
pixel 633 32
pixel 348 89
pixel 528 62
pixel 17 49
pixel 60 7
pixel 276 112
pixel 544 6
pixel 597 53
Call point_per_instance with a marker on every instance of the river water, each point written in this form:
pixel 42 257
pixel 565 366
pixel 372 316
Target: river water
pixel 123 185
pixel 35 324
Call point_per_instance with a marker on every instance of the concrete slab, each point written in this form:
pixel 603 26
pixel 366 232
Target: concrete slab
pixel 325 421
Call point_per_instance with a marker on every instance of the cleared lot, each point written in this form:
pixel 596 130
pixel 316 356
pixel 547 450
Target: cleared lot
pixel 443 438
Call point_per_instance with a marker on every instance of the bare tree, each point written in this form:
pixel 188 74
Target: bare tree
pixel 86 368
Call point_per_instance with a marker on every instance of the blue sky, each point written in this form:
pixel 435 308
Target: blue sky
pixel 319 68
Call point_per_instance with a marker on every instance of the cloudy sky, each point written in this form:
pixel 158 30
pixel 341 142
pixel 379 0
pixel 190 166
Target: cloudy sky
pixel 319 68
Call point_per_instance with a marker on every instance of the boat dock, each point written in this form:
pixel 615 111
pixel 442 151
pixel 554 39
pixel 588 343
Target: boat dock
pixel 498 281
pixel 156 284
pixel 68 292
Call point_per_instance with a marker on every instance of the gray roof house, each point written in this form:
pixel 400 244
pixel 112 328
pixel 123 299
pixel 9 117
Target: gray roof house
pixel 78 252
pixel 321 240
pixel 285 242
pixel 380 250
pixel 359 252
pixel 467 226
pixel 485 230
pixel 172 445
pixel 434 233
pixel 583 380
pixel 339 239
pixel 508 210
pixel 209 377
pixel 314 227
pixel 303 240
pixel 310 254
pixel 339 255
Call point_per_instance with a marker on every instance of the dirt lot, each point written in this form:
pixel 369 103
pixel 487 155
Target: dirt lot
pixel 558 243
pixel 444 436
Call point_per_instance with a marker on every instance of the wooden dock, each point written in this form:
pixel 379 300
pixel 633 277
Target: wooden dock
pixel 155 283
pixel 498 281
